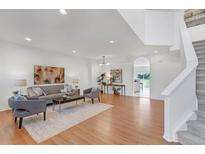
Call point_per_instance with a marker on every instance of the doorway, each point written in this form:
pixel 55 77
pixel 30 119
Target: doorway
pixel 141 83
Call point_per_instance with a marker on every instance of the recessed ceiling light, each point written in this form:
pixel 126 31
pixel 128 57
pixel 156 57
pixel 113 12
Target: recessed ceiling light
pixel 28 39
pixel 63 11
pixel 74 51
pixel 111 41
pixel 156 51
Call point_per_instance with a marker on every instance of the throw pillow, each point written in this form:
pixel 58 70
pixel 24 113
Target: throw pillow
pixel 69 88
pixel 44 92
pixel 30 92
pixel 20 98
pixel 38 91
pixel 65 90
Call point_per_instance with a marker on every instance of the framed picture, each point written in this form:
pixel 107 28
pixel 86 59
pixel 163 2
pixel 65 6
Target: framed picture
pixel 48 75
pixel 116 75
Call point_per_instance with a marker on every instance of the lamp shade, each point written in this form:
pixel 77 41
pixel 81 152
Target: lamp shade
pixel 20 82
pixel 76 81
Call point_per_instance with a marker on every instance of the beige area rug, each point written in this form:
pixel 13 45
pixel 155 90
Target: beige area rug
pixel 71 115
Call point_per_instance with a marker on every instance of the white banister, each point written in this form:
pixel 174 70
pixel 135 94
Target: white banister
pixel 180 94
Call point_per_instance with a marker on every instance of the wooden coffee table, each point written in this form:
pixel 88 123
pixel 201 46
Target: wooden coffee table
pixel 62 100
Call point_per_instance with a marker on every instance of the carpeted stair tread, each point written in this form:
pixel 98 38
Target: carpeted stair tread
pixel 200 75
pixel 201 106
pixel 199 43
pixel 200 52
pixel 200 113
pixel 201 101
pixel 200 92
pixel 186 137
pixel 199 47
pixel 197 124
pixel 200 68
pixel 200 82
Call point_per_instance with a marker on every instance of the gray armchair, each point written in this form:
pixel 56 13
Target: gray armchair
pixel 92 93
pixel 26 108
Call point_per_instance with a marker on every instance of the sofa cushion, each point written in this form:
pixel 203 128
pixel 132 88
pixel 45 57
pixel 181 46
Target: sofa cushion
pixel 69 88
pixel 38 91
pixel 65 90
pixel 53 89
pixel 30 92
pixel 52 96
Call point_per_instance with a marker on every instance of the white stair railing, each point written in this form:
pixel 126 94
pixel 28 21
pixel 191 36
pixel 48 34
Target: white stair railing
pixel 180 95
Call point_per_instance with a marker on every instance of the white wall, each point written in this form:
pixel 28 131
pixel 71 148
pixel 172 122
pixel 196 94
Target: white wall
pixel 17 61
pixel 153 27
pixel 94 72
pixel 197 33
pixel 163 69
pixel 159 27
pixel 136 20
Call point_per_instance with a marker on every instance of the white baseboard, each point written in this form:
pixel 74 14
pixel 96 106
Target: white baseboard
pixel 4 109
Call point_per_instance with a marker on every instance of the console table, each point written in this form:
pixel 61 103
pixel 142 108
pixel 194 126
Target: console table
pixel 122 86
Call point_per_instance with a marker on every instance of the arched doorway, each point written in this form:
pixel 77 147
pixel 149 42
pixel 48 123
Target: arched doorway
pixel 141 83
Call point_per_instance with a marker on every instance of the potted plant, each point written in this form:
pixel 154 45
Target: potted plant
pixel 101 81
pixel 116 91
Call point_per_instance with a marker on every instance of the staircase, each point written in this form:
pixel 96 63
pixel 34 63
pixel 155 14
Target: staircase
pixel 195 133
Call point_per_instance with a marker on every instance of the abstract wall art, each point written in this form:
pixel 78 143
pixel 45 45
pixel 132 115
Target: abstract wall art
pixel 48 75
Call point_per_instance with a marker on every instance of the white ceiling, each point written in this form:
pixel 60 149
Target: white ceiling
pixel 86 31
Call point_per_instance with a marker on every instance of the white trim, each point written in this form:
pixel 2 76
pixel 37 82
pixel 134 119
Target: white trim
pixel 4 109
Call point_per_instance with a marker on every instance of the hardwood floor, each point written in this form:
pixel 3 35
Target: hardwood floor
pixel 132 120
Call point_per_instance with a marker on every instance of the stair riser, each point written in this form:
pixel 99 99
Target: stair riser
pixel 184 142
pixel 200 71
pixel 200 78
pixel 197 48
pixel 201 59
pixel 201 101
pixel 201 96
pixel 200 118
pixel 200 53
pixel 197 131
pixel 201 107
pixel 201 65
pixel 200 86
pixel 197 44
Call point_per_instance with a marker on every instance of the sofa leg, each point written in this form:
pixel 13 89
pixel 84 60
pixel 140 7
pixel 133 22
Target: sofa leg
pixel 99 98
pixel 20 122
pixel 15 119
pixel 92 101
pixel 44 116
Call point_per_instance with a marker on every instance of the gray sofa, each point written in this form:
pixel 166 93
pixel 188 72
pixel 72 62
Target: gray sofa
pixel 51 92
